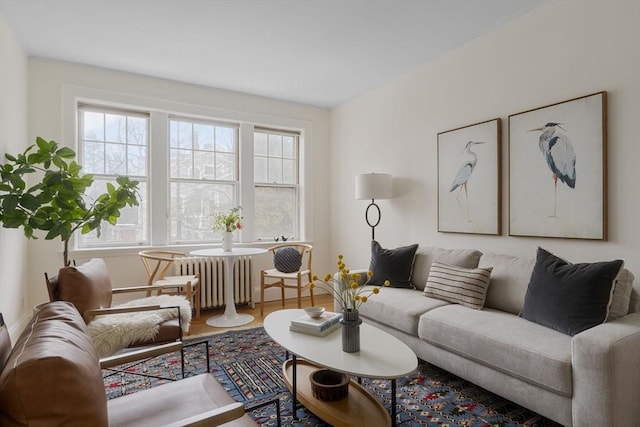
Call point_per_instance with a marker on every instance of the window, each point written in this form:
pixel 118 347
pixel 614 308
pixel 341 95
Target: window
pixel 276 183
pixel 203 164
pixel 115 143
pixel 189 166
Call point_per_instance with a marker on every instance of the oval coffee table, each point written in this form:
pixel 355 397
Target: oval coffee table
pixel 381 355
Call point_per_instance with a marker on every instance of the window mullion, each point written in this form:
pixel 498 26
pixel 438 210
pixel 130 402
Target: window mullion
pixel 159 176
pixel 247 190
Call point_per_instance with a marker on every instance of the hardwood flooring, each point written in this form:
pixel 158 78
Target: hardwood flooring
pixel 200 327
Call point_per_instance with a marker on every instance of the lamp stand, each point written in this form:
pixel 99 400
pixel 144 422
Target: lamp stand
pixel 366 217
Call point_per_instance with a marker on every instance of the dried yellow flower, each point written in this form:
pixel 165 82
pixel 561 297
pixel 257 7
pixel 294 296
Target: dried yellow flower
pixel 346 286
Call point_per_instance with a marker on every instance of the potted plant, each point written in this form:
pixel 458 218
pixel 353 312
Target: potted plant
pixel 57 203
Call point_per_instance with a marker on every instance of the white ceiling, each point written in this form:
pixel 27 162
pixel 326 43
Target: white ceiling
pixel 317 52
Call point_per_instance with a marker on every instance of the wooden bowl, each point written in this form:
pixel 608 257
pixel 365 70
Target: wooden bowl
pixel 328 386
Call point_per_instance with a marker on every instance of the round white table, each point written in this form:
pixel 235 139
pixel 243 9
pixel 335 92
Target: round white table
pixel 230 317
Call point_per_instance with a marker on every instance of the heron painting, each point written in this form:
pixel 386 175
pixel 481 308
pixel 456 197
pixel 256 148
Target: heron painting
pixel 557 170
pixel 464 173
pixel 468 179
pixel 558 151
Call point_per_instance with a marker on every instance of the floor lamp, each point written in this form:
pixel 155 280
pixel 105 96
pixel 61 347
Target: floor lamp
pixel 373 186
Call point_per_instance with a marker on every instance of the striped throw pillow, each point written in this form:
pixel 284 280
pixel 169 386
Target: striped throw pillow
pixel 287 260
pixel 465 286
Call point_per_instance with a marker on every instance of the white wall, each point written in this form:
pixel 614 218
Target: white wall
pixel 13 135
pixel 559 51
pixel 48 85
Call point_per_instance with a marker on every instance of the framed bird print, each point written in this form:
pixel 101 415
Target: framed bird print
pixel 557 170
pixel 469 179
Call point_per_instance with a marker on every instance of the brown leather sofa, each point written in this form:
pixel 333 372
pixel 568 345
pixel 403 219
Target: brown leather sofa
pixel 52 377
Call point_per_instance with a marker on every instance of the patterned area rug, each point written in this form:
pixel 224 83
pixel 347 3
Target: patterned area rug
pixel 249 365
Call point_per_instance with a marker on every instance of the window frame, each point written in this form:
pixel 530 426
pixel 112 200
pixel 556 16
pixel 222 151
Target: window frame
pixel 295 186
pixel 234 183
pixel 146 179
pixel 73 95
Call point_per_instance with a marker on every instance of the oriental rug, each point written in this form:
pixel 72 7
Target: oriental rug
pixel 249 365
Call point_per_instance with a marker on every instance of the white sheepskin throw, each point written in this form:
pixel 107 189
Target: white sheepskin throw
pixel 113 332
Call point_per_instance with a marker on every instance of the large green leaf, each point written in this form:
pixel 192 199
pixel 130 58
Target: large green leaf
pixel 36 158
pixel 10 203
pixel 52 178
pixel 29 201
pixel 66 153
pixel 41 143
pixel 17 182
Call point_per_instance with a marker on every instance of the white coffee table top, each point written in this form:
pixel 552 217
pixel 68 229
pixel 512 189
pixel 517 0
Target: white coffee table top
pixel 381 355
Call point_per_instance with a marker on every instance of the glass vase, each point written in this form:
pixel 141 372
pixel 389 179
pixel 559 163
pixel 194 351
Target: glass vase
pixel 227 241
pixel 351 331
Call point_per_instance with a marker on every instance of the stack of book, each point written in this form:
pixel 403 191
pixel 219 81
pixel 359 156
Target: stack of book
pixel 319 326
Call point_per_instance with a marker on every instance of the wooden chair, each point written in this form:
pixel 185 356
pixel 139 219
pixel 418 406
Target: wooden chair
pixel 276 278
pixel 157 264
pixel 88 288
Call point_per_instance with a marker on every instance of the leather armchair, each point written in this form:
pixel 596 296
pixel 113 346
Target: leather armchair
pixel 52 377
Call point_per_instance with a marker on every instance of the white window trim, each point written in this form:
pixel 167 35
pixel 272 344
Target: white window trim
pixel 73 95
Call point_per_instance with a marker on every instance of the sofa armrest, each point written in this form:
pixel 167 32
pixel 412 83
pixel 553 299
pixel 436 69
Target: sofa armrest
pixel 139 354
pixel 337 307
pixel 606 378
pixel 147 288
pixel 52 377
pixel 90 314
pixel 213 417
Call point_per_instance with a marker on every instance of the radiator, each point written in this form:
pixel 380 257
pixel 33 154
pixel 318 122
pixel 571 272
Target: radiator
pixel 213 277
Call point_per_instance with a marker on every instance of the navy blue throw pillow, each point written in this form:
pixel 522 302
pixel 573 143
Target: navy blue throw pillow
pixel 287 260
pixel 394 265
pixel 569 298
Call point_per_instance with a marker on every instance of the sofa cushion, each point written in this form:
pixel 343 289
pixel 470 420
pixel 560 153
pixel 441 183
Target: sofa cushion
pixel 86 286
pixel 509 280
pixel 53 350
pixel 621 297
pixel 634 299
pixel 569 298
pixel 399 308
pixel 459 285
pixel 158 406
pixel 504 342
pixel 394 265
pixel 425 255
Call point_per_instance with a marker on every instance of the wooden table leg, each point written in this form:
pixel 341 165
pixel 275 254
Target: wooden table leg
pixel 294 402
pixel 393 402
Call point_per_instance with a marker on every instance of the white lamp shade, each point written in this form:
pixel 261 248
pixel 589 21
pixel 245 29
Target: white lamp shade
pixel 373 186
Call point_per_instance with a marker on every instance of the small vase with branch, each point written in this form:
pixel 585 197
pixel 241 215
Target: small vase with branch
pixel 227 223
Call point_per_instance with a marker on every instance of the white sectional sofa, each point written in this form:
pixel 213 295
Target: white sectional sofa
pixel 589 379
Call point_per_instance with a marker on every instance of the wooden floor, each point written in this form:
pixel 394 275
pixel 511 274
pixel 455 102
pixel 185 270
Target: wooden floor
pixel 199 326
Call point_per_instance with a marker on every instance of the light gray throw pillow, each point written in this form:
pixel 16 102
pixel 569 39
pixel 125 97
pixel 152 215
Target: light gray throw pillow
pixel 459 285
